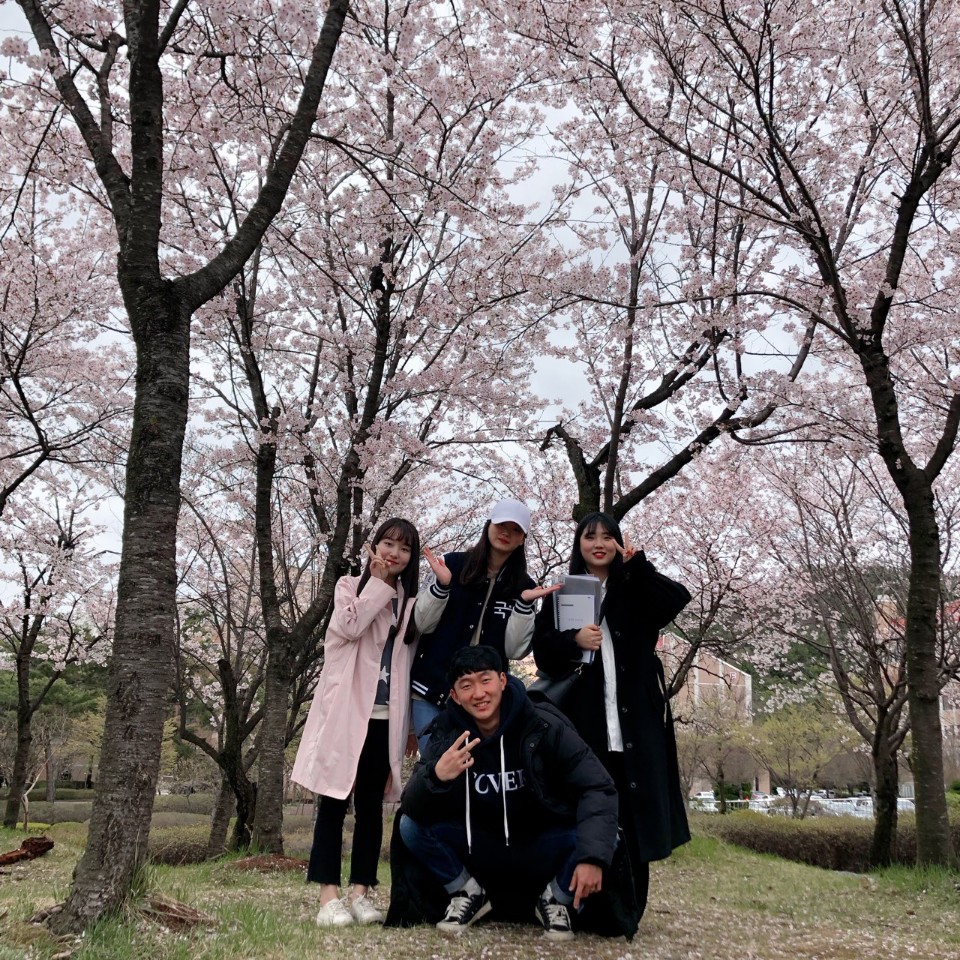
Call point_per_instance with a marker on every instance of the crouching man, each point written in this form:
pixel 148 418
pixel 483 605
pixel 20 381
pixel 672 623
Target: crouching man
pixel 508 796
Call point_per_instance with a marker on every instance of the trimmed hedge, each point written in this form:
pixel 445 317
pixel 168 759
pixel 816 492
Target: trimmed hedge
pixel 39 794
pixel 69 811
pixel 184 803
pixel 175 846
pixel 163 820
pixel 833 843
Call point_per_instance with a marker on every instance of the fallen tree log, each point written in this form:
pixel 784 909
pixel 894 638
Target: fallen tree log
pixel 30 849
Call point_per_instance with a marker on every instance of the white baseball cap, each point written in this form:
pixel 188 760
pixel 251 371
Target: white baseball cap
pixel 511 511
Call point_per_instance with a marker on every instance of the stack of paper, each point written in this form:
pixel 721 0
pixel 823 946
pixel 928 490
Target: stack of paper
pixel 577 604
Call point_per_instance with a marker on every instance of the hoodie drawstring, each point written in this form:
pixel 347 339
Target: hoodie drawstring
pixel 503 793
pixel 466 781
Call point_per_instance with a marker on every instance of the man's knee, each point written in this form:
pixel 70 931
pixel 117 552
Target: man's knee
pixel 410 831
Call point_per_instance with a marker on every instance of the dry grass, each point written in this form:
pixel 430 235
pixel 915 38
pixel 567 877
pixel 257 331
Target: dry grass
pixel 710 900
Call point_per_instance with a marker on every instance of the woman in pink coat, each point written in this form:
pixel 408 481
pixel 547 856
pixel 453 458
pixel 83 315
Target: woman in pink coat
pixel 358 728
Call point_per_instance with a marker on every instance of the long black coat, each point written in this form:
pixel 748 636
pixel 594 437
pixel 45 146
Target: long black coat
pixel 639 603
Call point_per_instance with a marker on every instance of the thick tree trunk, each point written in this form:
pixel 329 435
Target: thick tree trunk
pixel 885 803
pixel 268 820
pixel 934 843
pixel 220 821
pixel 141 664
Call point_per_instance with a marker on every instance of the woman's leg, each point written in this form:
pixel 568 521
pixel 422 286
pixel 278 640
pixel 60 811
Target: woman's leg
pixel 326 853
pixel 372 773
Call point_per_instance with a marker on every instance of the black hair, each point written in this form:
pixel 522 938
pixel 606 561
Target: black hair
pixel 587 525
pixel 403 530
pixel 473 660
pixel 513 573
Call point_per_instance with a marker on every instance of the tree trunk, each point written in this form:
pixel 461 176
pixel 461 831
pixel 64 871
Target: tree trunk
pixel 220 821
pixel 18 778
pixel 245 798
pixel 50 794
pixel 268 820
pixel 934 842
pixel 885 803
pixel 141 665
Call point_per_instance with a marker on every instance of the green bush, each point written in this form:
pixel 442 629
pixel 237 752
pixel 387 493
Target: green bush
pixel 39 794
pixel 178 845
pixel 163 819
pixel 67 811
pixel 69 830
pixel 184 803
pixel 834 843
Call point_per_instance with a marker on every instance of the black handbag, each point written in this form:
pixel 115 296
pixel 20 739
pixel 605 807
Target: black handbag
pixel 554 690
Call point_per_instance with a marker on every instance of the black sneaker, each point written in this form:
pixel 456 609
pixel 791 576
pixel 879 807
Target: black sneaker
pixel 555 918
pixel 463 910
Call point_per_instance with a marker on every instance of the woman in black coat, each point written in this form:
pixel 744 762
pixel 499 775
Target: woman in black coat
pixel 619 704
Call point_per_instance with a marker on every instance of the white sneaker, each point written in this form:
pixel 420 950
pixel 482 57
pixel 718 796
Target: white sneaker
pixel 363 911
pixel 334 914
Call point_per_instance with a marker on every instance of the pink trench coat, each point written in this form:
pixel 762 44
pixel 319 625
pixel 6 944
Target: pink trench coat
pixel 336 726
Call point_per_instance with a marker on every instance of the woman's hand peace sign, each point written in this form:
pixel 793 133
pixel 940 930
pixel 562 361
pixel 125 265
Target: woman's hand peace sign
pixel 628 550
pixel 378 566
pixel 440 570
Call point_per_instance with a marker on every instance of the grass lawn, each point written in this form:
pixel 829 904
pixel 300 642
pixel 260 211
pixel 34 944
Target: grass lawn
pixel 710 900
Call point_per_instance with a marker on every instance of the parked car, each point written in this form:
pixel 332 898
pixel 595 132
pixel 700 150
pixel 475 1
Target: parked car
pixel 704 802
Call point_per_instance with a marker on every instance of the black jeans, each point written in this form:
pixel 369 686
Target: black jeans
pixel 373 768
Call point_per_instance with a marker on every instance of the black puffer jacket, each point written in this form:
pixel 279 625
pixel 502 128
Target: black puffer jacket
pixel 571 783
pixel 567 780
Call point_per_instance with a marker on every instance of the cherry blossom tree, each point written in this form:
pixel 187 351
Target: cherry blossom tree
pixel 382 326
pixel 56 610
pixel 671 358
pixel 221 653
pixel 61 382
pixel 829 130
pixel 138 84
pixel 842 553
